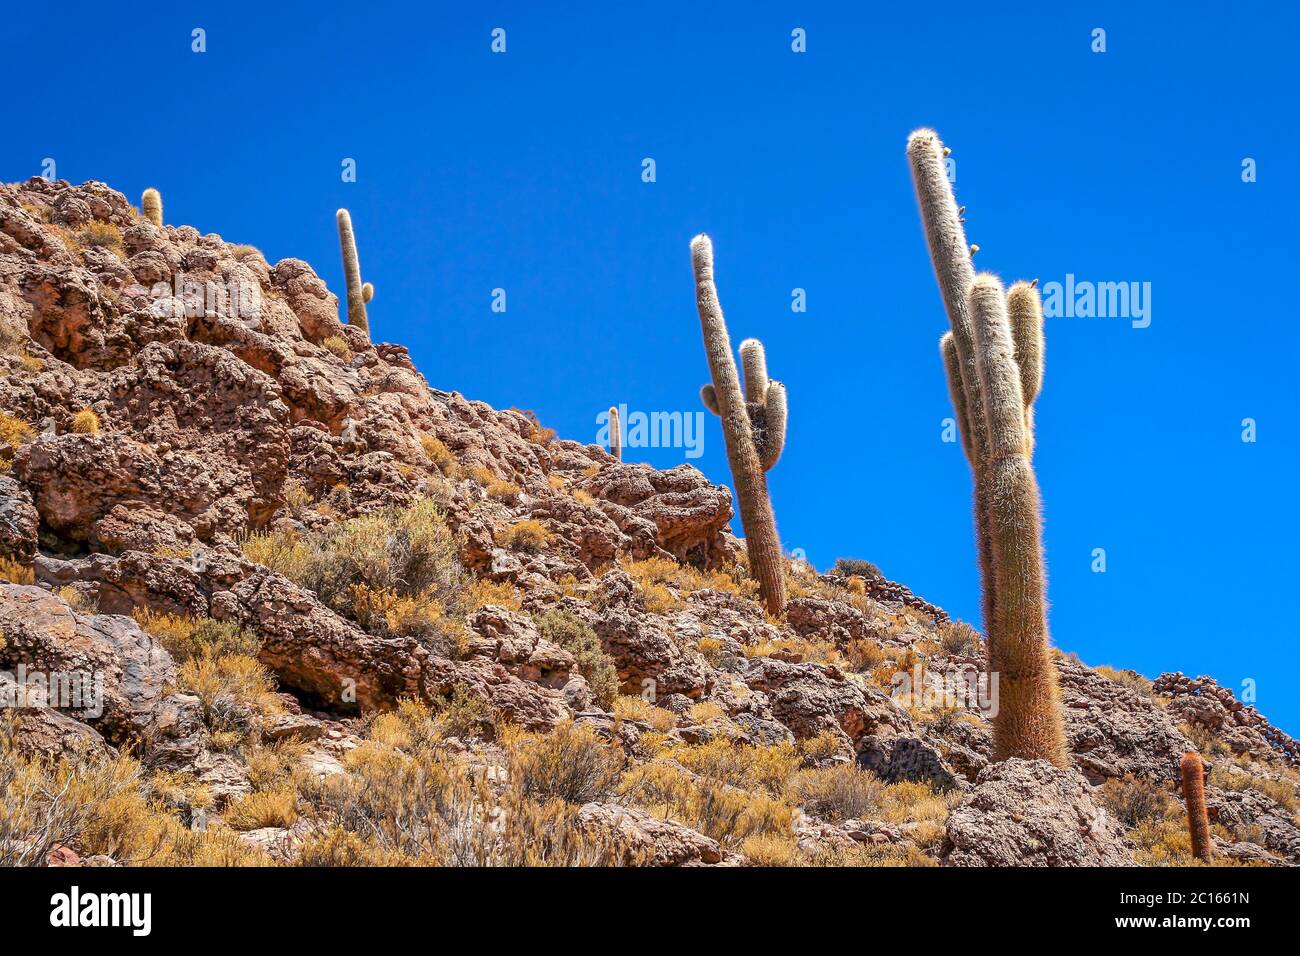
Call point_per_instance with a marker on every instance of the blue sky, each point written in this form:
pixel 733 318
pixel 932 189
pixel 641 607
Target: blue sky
pixel 523 171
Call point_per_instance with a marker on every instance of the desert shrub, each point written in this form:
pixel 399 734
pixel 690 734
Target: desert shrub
pixel 100 235
pixel 839 792
pixel 1133 801
pixel 536 433
pixel 15 572
pixel 438 454
pixel 13 432
pixel 463 713
pixel 528 536
pixel 569 763
pixel 186 638
pixel 741 765
pixel 959 639
pixel 641 710
pixel 234 691
pixel 375 559
pixel 576 636
pixel 864 655
pixel 338 345
pixel 481 592
pixel 796 648
pixel 664 583
pixel 505 491
pixel 858 567
pixel 268 808
pixel 85 422
pixel 704 712
pixel 242 251
pixel 718 810
pixel 1128 678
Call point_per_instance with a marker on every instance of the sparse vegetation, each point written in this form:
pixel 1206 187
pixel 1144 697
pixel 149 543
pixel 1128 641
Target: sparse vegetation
pixel 528 536
pixel 85 422
pixel 576 636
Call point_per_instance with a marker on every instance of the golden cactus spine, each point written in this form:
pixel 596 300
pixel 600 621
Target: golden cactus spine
pixel 1028 723
pixel 1198 820
pixel 151 206
pixel 352 272
pixel 748 446
pixel 615 434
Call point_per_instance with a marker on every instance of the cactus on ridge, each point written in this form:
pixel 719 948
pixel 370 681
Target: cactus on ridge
pixel 352 272
pixel 151 206
pixel 1198 821
pixel 752 445
pixel 615 434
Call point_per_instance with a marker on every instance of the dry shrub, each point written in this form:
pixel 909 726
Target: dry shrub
pixel 569 763
pixel 840 792
pixel 577 637
pixel 338 345
pixel 186 638
pixel 85 422
pixel 741 765
pixel 504 491
pixel 269 808
pixel 15 572
pixel 664 583
pixel 959 639
pixel 481 592
pixel 725 813
pixel 641 710
pixel 1133 801
pixel 528 536
pixel 438 453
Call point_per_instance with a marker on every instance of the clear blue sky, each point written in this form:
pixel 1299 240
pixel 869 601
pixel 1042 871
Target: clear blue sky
pixel 523 171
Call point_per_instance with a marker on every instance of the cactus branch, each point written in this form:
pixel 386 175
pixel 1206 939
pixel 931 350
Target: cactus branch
pixel 710 399
pixel 774 421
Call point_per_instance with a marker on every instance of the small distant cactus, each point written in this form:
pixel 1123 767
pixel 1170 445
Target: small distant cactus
pixel 352 273
pixel 993 360
pixel 615 434
pixel 151 206
pixel 753 426
pixel 1198 820
pixel 85 422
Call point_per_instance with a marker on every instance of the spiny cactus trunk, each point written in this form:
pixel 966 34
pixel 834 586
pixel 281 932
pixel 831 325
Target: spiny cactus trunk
pixel 1028 722
pixel 761 541
pixel 352 273
pixel 615 434
pixel 950 254
pixel 1198 820
pixel 151 206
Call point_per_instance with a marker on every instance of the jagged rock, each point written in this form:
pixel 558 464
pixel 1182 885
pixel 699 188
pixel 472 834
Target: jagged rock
pixel 1202 702
pixel 108 656
pixel 1030 813
pixel 1112 730
pixel 513 641
pixel 506 696
pixel 811 698
pixel 642 836
pixel 42 731
pixel 19 520
pixel 906 757
pixel 1250 811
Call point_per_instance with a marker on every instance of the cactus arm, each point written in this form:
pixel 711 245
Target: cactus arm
pixel 352 272
pixel 952 370
pixel 754 362
pixel 1192 769
pixel 1025 309
pixel 615 434
pixel 1028 723
pixel 710 399
pixel 765 561
pixel 367 292
pixel 774 421
pixel 151 206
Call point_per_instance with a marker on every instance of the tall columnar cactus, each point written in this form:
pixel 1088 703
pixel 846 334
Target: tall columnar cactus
pixel 753 429
pixel 151 205
pixel 352 273
pixel 1198 821
pixel 615 434
pixel 994 365
pixel 1028 722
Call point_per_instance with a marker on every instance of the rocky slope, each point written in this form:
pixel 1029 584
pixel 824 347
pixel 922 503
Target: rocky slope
pixel 341 616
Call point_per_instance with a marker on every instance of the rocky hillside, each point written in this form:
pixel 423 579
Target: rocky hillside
pixel 331 614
